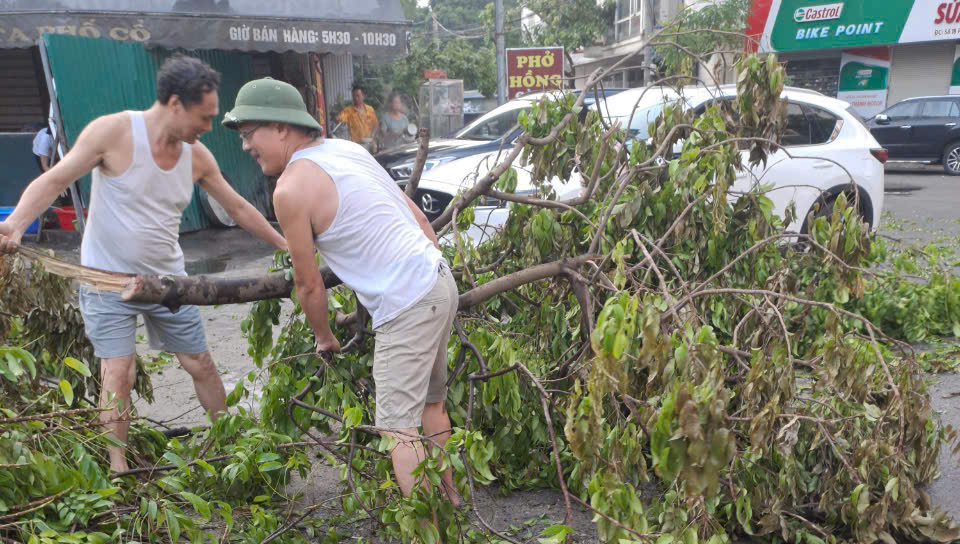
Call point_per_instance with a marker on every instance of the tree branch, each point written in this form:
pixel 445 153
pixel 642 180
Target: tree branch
pixel 414 180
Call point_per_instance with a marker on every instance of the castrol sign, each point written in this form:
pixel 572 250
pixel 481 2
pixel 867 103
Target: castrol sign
pixel 532 69
pixel 818 13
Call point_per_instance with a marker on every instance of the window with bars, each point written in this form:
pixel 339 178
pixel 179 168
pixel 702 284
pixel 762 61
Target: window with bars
pixel 629 21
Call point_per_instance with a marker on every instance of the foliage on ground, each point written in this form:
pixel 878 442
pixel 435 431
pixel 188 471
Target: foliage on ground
pixel 686 370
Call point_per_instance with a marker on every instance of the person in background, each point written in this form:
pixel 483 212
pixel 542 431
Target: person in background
pixel 43 147
pixel 393 124
pixel 361 120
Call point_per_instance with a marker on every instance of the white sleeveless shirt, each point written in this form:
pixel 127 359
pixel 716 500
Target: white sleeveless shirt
pixel 374 243
pixel 134 220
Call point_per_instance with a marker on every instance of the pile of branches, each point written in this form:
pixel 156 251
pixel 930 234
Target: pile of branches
pixel 665 356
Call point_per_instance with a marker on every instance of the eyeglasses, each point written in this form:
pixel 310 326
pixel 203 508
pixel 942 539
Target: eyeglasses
pixel 245 136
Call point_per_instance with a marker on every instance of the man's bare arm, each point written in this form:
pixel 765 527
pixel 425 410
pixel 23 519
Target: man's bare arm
pixel 294 200
pixel 244 213
pixel 85 155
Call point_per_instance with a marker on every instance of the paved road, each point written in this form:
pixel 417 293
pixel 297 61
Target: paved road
pixel 921 204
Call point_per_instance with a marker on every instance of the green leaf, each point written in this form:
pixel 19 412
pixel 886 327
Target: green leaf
pixel 176 460
pixel 892 488
pixel 201 506
pixel 206 466
pixel 78 365
pixel 554 534
pixel 352 416
pixel 173 526
pixel 272 465
pixel 860 498
pixel 268 456
pixel 744 513
pixel 67 391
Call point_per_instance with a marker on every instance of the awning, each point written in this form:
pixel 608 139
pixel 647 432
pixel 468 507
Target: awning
pixel 361 27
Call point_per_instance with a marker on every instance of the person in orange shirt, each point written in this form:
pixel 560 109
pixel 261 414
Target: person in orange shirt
pixel 360 119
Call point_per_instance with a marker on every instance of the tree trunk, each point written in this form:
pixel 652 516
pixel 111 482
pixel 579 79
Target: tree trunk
pixel 176 291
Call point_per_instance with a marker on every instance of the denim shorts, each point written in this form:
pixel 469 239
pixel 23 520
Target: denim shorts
pixel 111 325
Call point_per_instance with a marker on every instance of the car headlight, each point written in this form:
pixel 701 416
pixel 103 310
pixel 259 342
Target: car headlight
pixel 403 171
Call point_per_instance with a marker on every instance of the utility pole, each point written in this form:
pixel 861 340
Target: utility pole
pixel 501 55
pixel 436 29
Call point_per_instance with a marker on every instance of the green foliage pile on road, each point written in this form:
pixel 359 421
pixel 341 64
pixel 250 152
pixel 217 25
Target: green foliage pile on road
pixel 689 373
pixel 722 382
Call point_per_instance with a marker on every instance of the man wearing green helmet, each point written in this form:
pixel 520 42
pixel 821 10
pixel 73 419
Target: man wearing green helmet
pixel 333 197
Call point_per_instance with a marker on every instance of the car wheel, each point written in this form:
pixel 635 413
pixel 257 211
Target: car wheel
pixel 825 209
pixel 951 159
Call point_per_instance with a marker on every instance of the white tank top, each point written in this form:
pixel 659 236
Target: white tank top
pixel 134 221
pixel 374 243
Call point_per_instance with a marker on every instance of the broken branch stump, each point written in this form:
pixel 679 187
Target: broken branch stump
pixel 177 291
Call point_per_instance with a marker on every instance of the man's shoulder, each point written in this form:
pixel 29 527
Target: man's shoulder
pixel 200 150
pixel 120 118
pixel 112 125
pixel 298 182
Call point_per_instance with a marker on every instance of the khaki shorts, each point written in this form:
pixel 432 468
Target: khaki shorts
pixel 410 357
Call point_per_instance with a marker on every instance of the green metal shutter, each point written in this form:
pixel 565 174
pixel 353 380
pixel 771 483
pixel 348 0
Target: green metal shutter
pixel 96 77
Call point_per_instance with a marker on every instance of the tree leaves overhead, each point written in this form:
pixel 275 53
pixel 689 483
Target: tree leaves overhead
pixel 463 43
pixel 572 24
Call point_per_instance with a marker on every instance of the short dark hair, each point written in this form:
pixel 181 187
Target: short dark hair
pixel 186 77
pixel 357 87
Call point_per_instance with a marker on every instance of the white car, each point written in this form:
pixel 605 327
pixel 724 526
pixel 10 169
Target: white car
pixel 824 139
pixel 442 184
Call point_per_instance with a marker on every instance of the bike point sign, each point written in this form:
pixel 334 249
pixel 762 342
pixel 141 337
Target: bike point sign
pixel 534 69
pixel 802 25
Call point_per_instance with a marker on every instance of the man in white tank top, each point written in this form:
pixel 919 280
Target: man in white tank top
pixel 144 165
pixel 334 197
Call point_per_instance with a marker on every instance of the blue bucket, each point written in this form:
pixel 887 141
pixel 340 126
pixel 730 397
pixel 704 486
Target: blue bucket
pixel 6 211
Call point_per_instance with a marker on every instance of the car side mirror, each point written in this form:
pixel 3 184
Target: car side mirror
pixel 882 119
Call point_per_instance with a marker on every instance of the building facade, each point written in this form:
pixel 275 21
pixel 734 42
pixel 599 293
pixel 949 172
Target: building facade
pixel 871 53
pixel 635 21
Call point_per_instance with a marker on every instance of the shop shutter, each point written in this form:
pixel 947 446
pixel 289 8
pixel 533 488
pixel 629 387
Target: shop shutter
pixel 22 96
pixel 920 70
pixel 337 79
pixel 817 74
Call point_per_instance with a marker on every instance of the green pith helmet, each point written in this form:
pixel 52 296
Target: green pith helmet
pixel 269 100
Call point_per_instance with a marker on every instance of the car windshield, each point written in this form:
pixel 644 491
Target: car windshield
pixel 638 110
pixel 494 124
